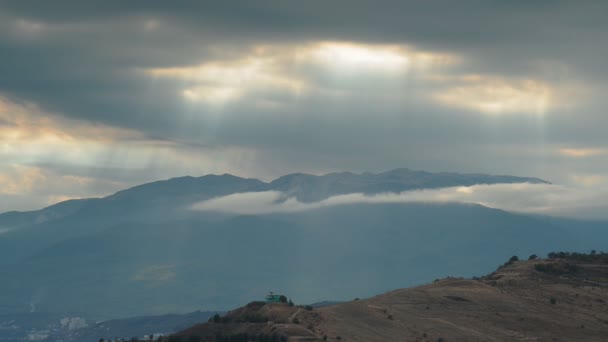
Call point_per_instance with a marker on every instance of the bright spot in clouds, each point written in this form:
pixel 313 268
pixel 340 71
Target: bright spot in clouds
pixel 288 69
pixel 493 95
pixel 581 152
pixel 357 57
pixel 212 95
pixel 221 82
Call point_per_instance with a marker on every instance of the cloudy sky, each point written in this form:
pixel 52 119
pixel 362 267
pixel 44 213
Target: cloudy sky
pixel 96 96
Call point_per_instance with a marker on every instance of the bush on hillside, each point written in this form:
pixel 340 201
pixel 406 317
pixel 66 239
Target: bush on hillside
pixel 556 268
pixel 511 260
pixel 593 256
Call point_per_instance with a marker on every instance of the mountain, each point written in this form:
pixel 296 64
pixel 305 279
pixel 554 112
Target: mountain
pixel 142 251
pixel 157 199
pixel 310 188
pixel 537 300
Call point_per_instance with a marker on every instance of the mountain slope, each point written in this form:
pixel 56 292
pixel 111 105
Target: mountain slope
pixel 515 303
pixel 130 269
pixel 14 219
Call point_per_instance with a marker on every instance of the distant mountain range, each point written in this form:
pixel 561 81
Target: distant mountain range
pixel 49 327
pixel 142 251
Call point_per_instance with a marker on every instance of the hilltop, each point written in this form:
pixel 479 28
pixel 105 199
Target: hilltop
pixel 563 298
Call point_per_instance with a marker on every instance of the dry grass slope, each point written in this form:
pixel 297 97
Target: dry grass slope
pixel 516 303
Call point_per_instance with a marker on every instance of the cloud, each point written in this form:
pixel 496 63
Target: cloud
pixel 289 70
pixel 155 273
pixel 543 199
pixel 494 95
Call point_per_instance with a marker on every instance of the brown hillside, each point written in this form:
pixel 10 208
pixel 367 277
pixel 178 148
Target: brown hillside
pixel 560 300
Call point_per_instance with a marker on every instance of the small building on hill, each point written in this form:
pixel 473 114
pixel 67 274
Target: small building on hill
pixel 275 298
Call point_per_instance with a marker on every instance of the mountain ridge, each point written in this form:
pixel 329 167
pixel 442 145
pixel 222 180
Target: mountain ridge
pixel 289 184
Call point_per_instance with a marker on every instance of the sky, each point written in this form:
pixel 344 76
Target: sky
pixel 97 96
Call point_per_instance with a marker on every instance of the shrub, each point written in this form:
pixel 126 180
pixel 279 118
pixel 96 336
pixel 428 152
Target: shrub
pixel 594 256
pixel 533 257
pixel 511 260
pixel 556 268
pixel 255 317
pixel 553 300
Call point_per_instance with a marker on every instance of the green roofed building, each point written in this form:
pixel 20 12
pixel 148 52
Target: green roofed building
pixel 275 298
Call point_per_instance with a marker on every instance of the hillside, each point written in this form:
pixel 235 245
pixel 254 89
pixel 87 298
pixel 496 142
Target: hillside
pixel 559 299
pixel 121 269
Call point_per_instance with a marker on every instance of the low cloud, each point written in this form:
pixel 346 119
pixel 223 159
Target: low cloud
pixel 546 199
pixel 155 273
